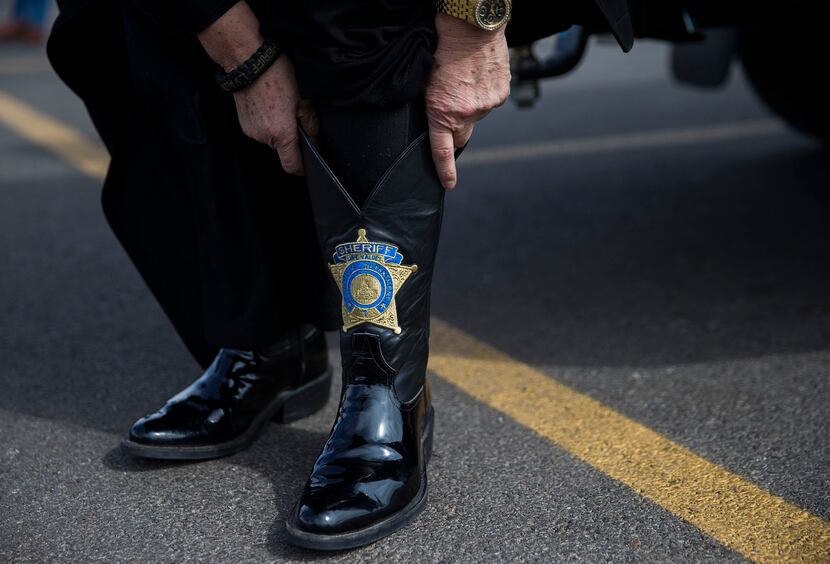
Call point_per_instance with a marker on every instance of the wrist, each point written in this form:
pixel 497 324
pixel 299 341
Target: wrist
pixel 458 33
pixel 233 38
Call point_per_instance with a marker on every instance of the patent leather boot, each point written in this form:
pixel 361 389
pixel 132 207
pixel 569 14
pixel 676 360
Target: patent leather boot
pixel 370 479
pixel 225 409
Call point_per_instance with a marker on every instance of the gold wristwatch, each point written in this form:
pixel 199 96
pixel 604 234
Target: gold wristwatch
pixel 486 14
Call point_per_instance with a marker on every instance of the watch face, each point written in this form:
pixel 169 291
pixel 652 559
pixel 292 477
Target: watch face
pixel 492 14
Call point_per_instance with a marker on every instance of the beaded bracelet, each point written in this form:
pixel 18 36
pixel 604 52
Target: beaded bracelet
pixel 245 74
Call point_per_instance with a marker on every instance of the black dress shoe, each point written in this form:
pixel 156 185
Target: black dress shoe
pixel 223 411
pixel 370 478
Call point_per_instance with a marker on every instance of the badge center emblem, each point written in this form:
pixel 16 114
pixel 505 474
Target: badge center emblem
pixel 369 274
pixel 366 290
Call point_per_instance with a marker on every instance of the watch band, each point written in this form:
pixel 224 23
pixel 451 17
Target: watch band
pixel 467 10
pixel 456 8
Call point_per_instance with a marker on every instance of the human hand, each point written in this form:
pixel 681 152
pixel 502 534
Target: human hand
pixel 268 109
pixel 470 78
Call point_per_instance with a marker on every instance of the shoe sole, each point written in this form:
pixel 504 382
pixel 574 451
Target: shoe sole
pixel 285 408
pixel 377 531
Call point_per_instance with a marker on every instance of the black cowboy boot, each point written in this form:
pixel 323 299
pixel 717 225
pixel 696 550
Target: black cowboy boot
pixel 223 411
pixel 370 478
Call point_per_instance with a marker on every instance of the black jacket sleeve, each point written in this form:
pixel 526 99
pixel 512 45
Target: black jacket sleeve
pixel 184 16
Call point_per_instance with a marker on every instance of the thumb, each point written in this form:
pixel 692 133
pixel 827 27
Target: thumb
pixel 288 150
pixel 463 135
pixel 308 119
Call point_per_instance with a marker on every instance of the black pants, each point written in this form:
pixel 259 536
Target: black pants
pixel 223 237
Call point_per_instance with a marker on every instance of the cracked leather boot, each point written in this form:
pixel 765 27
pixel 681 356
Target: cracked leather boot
pixel 370 479
pixel 223 411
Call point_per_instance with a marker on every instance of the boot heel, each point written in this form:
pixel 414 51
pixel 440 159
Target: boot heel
pixel 305 400
pixel 428 431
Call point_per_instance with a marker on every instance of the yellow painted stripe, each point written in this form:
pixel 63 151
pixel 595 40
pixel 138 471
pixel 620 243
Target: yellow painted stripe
pixel 78 150
pixel 739 514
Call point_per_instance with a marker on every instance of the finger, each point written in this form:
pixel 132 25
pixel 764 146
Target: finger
pixel 307 116
pixel 462 136
pixel 443 154
pixel 288 150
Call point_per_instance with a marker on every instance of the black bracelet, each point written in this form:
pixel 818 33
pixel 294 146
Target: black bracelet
pixel 245 74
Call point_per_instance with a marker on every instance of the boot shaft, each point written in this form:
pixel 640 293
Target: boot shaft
pixel 381 256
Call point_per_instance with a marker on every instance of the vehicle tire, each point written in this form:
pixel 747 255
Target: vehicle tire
pixel 784 65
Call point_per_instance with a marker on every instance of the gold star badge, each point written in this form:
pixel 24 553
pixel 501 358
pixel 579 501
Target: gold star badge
pixel 369 274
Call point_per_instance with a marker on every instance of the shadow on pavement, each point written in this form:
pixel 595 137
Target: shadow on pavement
pixel 283 455
pixel 688 259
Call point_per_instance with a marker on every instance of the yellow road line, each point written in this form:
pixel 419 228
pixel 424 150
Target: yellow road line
pixel 732 510
pixel 739 514
pixel 73 147
pixel 619 142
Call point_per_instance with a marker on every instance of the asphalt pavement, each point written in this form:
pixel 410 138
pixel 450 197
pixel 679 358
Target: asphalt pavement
pixel 677 276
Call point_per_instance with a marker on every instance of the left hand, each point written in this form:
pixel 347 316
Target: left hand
pixel 470 78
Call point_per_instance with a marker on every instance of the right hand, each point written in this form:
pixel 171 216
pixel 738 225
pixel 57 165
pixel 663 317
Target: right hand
pixel 471 77
pixel 269 109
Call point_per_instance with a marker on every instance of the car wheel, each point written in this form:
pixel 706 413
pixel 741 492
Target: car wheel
pixel 785 68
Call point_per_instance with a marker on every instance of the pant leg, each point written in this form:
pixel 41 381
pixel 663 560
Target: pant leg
pixel 223 237
pixel 357 53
